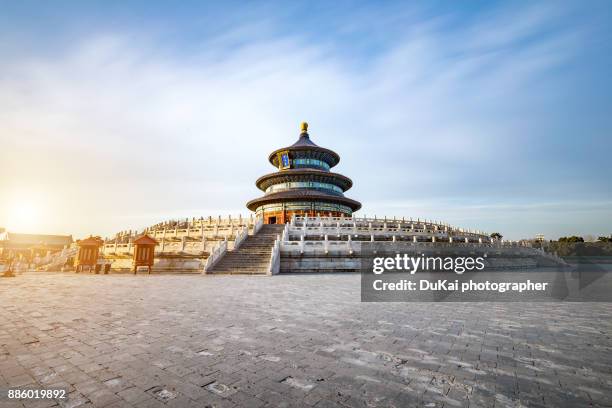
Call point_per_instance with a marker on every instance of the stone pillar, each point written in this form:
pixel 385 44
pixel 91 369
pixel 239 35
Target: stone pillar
pixel 414 239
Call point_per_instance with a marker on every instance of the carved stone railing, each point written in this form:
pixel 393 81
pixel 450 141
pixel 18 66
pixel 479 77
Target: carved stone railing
pixel 209 227
pixel 59 259
pixel 285 234
pixel 274 267
pixel 349 247
pixel 258 225
pixel 215 256
pixel 384 226
pixel 240 237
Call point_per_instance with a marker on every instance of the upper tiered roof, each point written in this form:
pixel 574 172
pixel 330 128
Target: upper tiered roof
pixel 306 148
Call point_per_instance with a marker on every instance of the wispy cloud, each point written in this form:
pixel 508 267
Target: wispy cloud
pixel 123 126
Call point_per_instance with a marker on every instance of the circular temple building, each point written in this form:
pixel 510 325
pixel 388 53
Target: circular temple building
pixel 303 184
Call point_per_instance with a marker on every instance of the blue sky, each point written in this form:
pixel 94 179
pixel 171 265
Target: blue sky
pixel 493 116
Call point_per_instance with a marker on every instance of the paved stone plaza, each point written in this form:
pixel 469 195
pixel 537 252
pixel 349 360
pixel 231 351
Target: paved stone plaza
pixel 294 341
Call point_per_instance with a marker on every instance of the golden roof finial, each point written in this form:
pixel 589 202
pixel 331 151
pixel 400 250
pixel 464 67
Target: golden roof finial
pixel 304 127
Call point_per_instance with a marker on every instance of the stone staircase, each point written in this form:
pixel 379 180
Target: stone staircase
pixel 253 256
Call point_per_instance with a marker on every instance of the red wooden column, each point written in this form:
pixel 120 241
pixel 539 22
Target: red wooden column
pixel 89 249
pixel 144 252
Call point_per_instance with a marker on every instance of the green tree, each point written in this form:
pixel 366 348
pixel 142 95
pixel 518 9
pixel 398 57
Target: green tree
pixel 496 235
pixel 571 239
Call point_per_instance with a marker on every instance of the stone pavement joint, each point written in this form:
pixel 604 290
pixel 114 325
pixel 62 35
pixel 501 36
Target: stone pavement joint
pixel 291 341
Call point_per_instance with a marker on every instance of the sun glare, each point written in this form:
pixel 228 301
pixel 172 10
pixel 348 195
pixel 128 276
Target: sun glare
pixel 23 216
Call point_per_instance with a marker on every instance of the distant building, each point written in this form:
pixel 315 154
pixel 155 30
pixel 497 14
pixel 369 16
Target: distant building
pixel 30 246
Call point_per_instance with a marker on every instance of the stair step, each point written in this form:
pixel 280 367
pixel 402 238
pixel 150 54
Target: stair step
pixel 253 256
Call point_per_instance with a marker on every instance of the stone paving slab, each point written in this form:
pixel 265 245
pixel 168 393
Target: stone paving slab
pixel 291 341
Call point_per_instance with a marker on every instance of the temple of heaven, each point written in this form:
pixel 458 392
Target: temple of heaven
pixel 303 184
